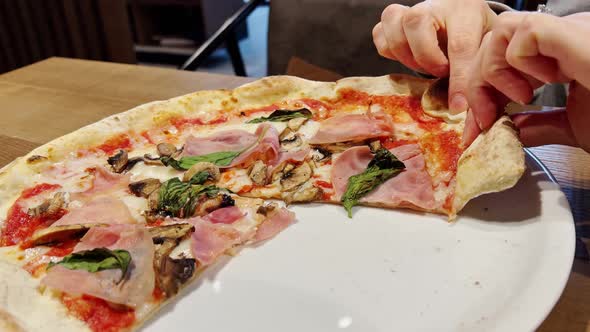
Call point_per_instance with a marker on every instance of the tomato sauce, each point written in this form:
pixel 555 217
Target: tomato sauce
pixel 62 249
pixel 315 104
pixel 392 105
pixel 158 294
pixel 34 267
pixel 446 146
pixel 181 122
pixel 326 196
pixel 115 143
pixel 245 189
pixel 19 225
pixel 390 143
pixel 324 184
pixel 146 135
pixel 265 109
pixel 98 314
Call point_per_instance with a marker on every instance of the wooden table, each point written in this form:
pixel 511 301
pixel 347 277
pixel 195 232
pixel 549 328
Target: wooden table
pixel 56 96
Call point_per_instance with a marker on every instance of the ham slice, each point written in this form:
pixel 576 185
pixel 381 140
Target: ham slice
pixel 413 185
pixel 226 215
pixel 274 224
pixel 294 155
pixel 353 127
pixel 230 140
pixel 211 240
pixel 266 150
pixel 105 182
pixel 138 285
pixel 100 210
pixel 262 145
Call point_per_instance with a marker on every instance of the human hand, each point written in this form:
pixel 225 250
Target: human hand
pixel 520 53
pixel 421 36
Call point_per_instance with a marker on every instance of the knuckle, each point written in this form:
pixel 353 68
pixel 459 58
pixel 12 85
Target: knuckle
pixel 375 32
pixel 529 23
pixel 462 44
pixel 390 12
pixel 413 17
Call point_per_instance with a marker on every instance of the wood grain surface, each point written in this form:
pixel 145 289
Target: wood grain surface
pixel 56 96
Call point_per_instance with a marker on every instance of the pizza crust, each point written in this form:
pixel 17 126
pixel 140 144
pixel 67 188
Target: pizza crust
pixel 493 162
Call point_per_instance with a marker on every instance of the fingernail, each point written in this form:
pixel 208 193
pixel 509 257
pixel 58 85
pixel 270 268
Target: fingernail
pixel 459 103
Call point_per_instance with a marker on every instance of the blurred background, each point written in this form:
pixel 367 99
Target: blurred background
pixel 253 38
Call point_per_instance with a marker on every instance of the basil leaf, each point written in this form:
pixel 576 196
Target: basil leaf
pixel 283 116
pixel 96 260
pixel 381 168
pixel 221 158
pixel 179 199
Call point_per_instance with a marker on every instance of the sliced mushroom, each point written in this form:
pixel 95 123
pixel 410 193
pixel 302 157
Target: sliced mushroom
pixel 211 204
pixel 143 188
pixel 132 162
pixel 337 147
pixel 375 145
pixel 49 207
pixel 171 273
pixel 175 231
pixel 319 154
pixel 295 177
pixel 257 173
pixel 166 149
pixel 289 139
pixel 152 161
pixel 119 161
pixel 35 159
pixel 280 170
pixel 153 200
pixel 308 194
pixel 210 168
pixel 56 234
pixel 266 209
pixel 296 123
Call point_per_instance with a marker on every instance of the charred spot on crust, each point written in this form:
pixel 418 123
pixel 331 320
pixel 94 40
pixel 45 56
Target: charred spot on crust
pixel 35 159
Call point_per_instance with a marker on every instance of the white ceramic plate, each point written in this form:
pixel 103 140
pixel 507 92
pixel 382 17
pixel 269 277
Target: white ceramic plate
pixel 500 267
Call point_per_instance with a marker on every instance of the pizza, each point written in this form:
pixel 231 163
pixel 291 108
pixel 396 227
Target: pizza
pixel 102 227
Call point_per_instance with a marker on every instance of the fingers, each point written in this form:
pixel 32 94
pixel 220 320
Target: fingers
pixel 496 70
pixel 471 130
pixel 390 30
pixel 381 43
pixel 540 128
pixel 465 30
pixel 563 127
pixel 577 108
pixel 420 28
pixel 552 49
pixel 481 94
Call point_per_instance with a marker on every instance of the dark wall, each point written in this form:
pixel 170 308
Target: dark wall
pixel 32 30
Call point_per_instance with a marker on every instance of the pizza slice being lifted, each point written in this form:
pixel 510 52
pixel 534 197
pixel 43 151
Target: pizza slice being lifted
pixel 102 226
